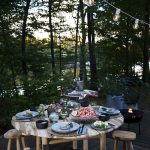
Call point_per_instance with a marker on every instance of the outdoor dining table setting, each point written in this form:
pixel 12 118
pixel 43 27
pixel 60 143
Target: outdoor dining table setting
pixel 67 121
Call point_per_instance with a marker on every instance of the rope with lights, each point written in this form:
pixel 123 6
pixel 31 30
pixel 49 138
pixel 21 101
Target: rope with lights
pixel 117 13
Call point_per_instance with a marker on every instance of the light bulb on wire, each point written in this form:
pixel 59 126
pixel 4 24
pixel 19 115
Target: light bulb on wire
pixel 136 24
pixel 117 15
pixel 88 2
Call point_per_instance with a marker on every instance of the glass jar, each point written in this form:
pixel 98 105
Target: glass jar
pixel 41 110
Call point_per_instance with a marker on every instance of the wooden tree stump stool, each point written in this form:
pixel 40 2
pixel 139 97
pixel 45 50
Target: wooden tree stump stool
pixel 14 134
pixel 126 137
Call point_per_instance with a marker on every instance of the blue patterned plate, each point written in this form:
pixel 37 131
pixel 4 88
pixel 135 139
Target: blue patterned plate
pixel 109 111
pixel 101 128
pixel 23 115
pixel 62 127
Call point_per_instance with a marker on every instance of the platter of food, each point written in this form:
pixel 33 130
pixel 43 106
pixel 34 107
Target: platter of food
pixel 100 125
pixel 84 115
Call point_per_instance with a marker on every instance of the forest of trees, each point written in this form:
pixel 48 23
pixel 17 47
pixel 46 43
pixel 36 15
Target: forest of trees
pixel 94 48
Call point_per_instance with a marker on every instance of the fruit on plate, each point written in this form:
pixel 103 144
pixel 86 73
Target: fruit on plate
pixel 84 112
pixel 100 124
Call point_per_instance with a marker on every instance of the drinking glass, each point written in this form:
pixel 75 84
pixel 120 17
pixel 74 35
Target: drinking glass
pixel 64 114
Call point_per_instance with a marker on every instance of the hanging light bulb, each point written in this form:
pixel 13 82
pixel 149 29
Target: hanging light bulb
pixel 117 15
pixel 136 24
pixel 88 2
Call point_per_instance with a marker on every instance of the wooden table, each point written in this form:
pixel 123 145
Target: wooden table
pixel 29 128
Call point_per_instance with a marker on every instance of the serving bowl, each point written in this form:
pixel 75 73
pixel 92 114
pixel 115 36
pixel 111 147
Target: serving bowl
pixel 41 124
pixel 105 117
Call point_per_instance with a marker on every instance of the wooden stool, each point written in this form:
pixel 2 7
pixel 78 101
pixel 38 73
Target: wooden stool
pixel 126 136
pixel 14 134
pixel 27 148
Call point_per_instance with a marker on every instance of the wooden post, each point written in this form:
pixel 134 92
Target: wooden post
pixel 44 143
pixel 131 145
pixel 9 144
pixel 124 145
pixel 38 143
pixel 18 144
pixel 75 145
pixel 85 144
pixel 23 142
pixel 115 144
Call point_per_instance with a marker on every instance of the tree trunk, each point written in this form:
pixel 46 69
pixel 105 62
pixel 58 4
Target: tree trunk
pixel 127 49
pixel 7 48
pixel 76 45
pixel 83 75
pixel 51 37
pixel 60 58
pixel 23 45
pixel 13 75
pixel 91 40
pixel 146 42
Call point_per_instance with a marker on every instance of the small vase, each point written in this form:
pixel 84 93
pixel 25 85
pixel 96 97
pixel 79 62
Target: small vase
pixel 54 117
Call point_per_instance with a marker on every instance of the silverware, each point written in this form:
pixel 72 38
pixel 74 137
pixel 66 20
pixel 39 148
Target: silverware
pixel 80 130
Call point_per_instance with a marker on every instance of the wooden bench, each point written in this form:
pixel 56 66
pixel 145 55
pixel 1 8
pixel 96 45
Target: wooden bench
pixel 17 135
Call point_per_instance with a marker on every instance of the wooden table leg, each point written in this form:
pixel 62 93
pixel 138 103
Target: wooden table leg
pixel 23 142
pixel 131 145
pixel 44 143
pixel 75 145
pixel 115 144
pixel 124 145
pixel 18 144
pixel 103 141
pixel 38 143
pixel 85 144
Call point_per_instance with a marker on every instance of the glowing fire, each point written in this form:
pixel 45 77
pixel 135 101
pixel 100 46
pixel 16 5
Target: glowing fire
pixel 130 110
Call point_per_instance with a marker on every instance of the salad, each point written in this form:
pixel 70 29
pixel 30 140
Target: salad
pixel 101 124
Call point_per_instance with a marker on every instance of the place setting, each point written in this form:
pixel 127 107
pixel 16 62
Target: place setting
pixel 26 115
pixel 101 110
pixel 67 129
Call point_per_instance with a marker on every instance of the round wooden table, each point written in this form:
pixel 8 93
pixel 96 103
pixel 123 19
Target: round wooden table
pixel 28 127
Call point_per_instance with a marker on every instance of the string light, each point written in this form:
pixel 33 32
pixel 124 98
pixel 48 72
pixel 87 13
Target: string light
pixel 117 15
pixel 136 24
pixel 88 2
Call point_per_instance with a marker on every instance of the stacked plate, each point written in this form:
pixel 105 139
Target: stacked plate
pixel 109 111
pixel 26 115
pixel 65 127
